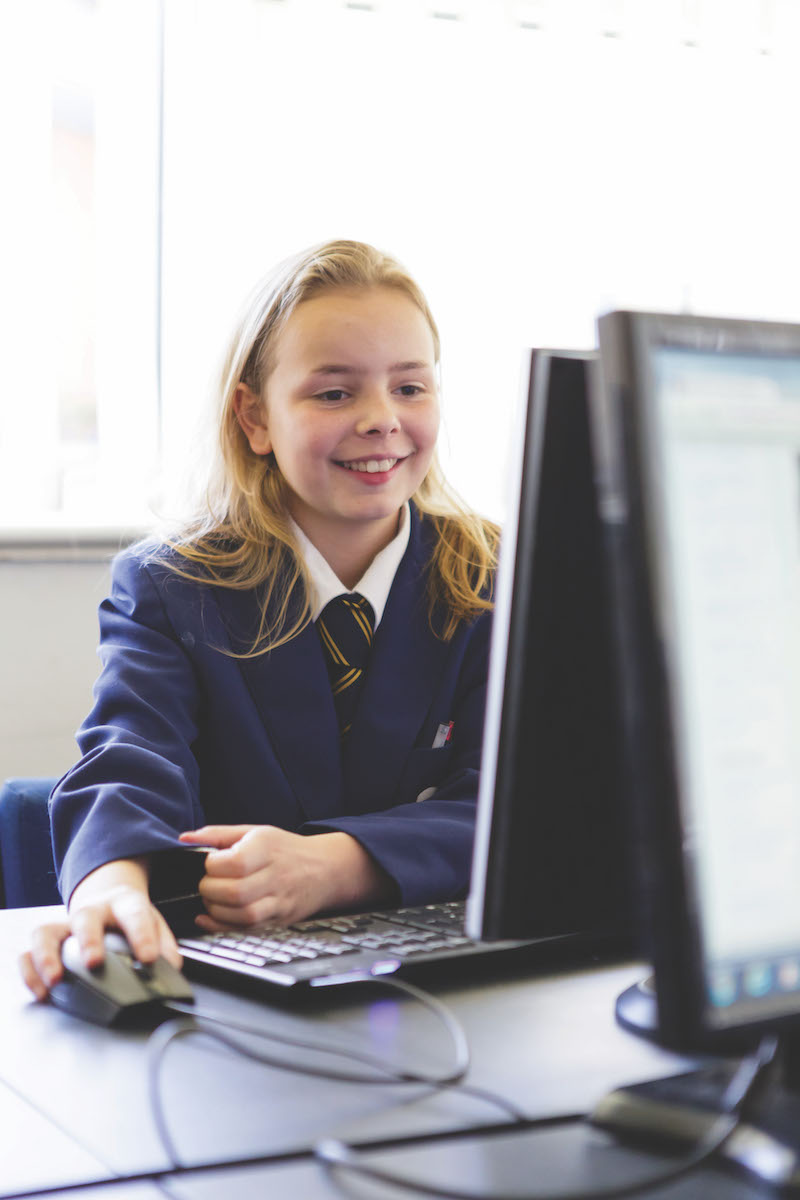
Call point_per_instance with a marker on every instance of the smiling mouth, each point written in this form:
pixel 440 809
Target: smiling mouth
pixel 370 466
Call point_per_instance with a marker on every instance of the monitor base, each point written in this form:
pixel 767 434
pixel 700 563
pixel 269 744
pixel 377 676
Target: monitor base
pixel 680 1110
pixel 636 1008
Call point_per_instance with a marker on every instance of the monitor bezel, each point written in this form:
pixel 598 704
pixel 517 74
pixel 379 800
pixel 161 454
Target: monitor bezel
pixel 533 780
pixel 490 827
pixel 627 434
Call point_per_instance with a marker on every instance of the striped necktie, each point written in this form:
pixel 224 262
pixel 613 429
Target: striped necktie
pixel 345 629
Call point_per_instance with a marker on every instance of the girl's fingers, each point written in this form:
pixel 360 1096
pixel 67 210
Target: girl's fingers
pixel 88 925
pixel 256 913
pixel 41 965
pixel 232 891
pixel 167 945
pixel 32 978
pixel 255 850
pixel 126 909
pixel 134 914
pixel 238 850
pixel 219 836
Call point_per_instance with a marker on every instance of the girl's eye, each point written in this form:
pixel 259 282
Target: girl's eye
pixel 332 395
pixel 409 389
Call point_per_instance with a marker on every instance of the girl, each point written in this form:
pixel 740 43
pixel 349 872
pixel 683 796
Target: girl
pixel 227 713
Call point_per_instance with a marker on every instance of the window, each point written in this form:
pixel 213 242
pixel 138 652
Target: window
pixel 80 246
pixel 533 163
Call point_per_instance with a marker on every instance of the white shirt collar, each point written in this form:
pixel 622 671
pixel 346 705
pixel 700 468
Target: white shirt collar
pixel 376 582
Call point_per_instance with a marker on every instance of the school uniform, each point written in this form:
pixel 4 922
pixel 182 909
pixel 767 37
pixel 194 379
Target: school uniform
pixel 183 734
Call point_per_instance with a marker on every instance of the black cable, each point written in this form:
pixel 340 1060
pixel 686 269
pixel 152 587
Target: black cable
pixel 450 1081
pixel 507 1106
pixel 393 1073
pixel 194 1021
pixel 335 1154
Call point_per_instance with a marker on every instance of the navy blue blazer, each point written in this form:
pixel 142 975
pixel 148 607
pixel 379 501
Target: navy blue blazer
pixel 182 734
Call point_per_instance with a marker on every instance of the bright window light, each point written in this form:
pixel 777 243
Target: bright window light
pixel 79 237
pixel 532 162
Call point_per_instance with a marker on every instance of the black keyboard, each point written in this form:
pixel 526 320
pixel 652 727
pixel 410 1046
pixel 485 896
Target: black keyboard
pixel 336 950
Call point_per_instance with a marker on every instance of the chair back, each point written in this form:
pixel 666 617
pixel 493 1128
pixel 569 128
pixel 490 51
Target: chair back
pixel 27 872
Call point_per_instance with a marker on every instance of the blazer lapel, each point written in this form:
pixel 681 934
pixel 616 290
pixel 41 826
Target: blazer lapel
pixel 407 660
pixel 292 693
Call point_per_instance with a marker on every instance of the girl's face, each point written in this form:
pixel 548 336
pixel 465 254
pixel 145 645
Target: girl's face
pixel 351 412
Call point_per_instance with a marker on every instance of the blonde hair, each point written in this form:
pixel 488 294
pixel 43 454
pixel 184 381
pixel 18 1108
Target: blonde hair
pixel 242 536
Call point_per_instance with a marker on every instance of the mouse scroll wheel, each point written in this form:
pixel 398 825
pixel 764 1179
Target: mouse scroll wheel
pixel 143 970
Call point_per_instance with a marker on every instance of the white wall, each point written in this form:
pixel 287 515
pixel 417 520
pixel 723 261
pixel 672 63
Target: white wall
pixel 48 638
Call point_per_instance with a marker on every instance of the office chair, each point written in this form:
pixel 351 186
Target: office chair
pixel 27 872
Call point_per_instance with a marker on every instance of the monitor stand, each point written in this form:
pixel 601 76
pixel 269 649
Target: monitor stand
pixel 636 1008
pixel 680 1110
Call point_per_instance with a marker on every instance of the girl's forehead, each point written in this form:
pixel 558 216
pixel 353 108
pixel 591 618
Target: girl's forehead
pixel 335 302
pixel 372 317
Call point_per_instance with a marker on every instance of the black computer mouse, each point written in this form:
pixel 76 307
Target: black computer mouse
pixel 121 990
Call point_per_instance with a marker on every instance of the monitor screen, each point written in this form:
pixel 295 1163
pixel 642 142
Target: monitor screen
pixel 550 846
pixel 699 436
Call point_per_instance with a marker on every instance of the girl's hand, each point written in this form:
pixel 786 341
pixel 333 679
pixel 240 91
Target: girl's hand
pixel 260 874
pixel 112 897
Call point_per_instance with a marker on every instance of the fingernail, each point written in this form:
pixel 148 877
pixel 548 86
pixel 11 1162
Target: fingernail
pixel 92 954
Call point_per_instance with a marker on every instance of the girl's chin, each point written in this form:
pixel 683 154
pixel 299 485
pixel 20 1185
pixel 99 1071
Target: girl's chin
pixel 371 509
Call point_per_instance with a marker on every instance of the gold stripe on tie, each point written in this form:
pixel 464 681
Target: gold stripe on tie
pixel 330 644
pixel 345 632
pixel 347 680
pixel 362 621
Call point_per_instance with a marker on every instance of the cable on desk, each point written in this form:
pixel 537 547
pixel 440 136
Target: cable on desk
pixel 455 1084
pixel 336 1155
pixel 392 1073
pixel 192 1020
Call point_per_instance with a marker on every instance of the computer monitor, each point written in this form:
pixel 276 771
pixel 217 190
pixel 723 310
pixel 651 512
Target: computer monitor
pixel 550 844
pixel 698 440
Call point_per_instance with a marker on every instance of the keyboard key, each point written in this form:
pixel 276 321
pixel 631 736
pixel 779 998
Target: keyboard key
pixel 226 952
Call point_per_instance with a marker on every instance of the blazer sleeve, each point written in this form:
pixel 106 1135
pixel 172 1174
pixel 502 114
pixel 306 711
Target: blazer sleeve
pixel 424 842
pixel 136 783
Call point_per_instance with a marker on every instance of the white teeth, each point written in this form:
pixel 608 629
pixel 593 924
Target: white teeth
pixel 371 465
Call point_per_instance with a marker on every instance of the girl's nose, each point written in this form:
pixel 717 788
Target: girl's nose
pixel 378 415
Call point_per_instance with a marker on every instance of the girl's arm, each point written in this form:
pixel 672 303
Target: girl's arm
pixel 114 896
pixel 137 780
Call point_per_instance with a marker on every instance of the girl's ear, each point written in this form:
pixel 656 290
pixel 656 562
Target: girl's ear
pixel 250 414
